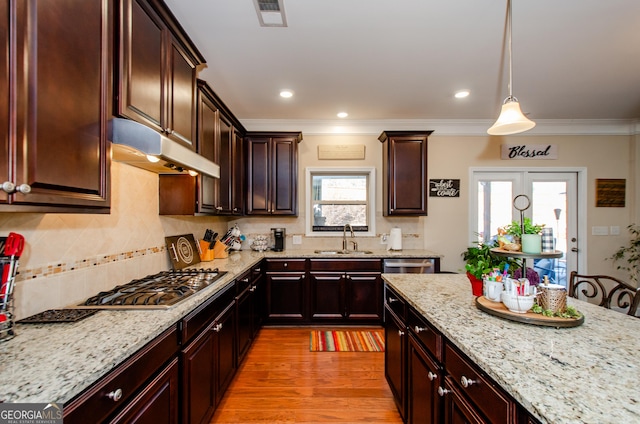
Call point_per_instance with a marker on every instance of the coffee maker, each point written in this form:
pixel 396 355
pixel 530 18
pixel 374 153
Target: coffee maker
pixel 279 235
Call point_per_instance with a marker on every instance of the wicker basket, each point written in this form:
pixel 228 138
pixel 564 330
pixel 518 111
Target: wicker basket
pixel 554 299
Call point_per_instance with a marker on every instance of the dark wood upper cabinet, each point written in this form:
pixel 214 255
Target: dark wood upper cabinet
pixel 404 172
pixel 157 72
pixel 272 173
pixel 55 84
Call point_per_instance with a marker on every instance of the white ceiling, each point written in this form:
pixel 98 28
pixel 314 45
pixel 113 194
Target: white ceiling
pixel 404 59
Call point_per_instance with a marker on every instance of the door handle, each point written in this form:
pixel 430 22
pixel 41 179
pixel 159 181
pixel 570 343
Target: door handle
pixel 574 249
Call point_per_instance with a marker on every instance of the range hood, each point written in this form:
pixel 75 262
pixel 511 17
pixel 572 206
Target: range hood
pixel 132 142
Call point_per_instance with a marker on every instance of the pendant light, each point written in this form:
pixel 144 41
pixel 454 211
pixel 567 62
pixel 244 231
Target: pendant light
pixel 511 119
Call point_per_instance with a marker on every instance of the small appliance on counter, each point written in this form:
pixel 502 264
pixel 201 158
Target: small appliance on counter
pixel 10 251
pixel 395 239
pixel 279 234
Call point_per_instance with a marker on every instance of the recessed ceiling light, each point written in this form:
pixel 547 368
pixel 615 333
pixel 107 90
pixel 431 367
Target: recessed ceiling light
pixel 461 94
pixel 286 94
pixel 342 114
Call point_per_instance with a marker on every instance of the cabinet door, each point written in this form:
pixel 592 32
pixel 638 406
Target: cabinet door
pixel 364 296
pixel 404 163
pixel 207 127
pixel 284 187
pixel 286 296
pixel 326 296
pixel 245 310
pixel 142 71
pixel 198 378
pixel 4 96
pixel 181 96
pixel 158 403
pixel 272 173
pixel 457 409
pixel 62 62
pixel 258 176
pixel 225 352
pixel 237 177
pixel 225 160
pixel 424 377
pixel 394 359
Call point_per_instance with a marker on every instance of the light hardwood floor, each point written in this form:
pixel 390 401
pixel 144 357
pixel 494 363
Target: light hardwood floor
pixel 281 381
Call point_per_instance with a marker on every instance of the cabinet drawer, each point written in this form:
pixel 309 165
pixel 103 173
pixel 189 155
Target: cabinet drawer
pixel 373 265
pixel 98 401
pixel 429 337
pixel 205 313
pixel 243 282
pixel 396 303
pixel 483 393
pixel 286 264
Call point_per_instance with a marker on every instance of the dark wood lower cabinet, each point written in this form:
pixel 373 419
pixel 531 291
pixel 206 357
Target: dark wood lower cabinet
pixel 208 366
pixel 457 409
pixel 286 296
pixel 157 403
pixel 394 359
pixel 432 381
pixel 424 376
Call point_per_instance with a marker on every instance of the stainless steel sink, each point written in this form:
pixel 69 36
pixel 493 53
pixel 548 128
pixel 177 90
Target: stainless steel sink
pixel 343 252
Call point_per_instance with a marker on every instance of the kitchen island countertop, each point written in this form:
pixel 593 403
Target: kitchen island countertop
pixel 55 362
pixel 585 374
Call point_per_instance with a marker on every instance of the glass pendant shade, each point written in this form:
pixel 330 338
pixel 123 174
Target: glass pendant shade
pixel 511 120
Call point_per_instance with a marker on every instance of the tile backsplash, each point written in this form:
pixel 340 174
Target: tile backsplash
pixel 69 257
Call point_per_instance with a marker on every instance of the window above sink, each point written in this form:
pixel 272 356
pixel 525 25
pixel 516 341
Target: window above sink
pixel 339 196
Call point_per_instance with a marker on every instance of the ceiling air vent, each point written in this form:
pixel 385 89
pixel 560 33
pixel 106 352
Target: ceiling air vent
pixel 270 13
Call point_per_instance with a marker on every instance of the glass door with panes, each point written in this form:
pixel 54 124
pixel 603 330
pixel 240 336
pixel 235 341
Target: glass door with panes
pixel 554 200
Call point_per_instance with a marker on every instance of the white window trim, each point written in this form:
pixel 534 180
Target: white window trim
pixel 371 171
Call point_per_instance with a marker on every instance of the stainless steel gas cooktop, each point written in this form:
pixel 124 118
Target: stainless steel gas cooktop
pixel 158 291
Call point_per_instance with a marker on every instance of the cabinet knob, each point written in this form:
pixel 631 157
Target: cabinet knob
pixel 432 376
pixel 391 300
pixel 253 288
pixel 217 327
pixel 10 188
pixel 218 208
pixel 419 329
pixel 442 391
pixel 466 382
pixel 400 333
pixel 235 209
pixel 116 395
pixel 285 264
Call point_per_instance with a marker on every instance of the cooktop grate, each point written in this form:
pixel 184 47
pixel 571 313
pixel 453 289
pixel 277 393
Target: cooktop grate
pixel 58 315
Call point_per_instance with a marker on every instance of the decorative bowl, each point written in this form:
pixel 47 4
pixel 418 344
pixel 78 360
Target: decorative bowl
pixel 519 304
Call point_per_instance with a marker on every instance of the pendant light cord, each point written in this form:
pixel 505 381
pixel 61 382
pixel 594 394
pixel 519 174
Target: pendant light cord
pixel 511 98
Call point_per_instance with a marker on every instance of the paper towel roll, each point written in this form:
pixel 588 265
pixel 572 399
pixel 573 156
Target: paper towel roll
pixel 395 239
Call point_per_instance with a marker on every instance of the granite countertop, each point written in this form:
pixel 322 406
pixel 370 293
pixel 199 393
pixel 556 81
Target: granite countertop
pixel 560 375
pixel 55 362
pixel 381 253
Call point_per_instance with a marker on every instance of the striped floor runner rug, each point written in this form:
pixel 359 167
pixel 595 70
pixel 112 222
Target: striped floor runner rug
pixel 347 341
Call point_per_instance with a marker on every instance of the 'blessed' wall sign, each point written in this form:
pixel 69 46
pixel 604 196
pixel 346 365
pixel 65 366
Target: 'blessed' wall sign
pixel 528 151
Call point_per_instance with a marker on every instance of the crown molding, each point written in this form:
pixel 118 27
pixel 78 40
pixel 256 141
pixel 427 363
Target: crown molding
pixel 444 127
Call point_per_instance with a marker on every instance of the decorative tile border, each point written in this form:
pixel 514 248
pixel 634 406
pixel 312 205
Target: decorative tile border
pixel 57 268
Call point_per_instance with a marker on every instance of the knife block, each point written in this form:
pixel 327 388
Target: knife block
pixel 220 250
pixel 206 254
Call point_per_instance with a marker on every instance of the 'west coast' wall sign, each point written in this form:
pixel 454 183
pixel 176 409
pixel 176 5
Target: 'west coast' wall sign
pixel 528 151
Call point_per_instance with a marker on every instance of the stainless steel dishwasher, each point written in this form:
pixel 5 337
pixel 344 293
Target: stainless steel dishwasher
pixel 410 266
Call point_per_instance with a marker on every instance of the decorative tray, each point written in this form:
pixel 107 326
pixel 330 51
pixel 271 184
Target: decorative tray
pixel 498 309
pixel 511 253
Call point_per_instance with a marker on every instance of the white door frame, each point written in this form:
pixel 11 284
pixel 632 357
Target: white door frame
pixel 581 204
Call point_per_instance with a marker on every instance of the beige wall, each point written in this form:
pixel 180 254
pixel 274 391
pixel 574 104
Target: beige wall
pixel 71 256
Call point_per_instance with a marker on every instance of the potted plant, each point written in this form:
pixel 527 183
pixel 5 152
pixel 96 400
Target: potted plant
pixel 628 257
pixel 480 261
pixel 529 234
